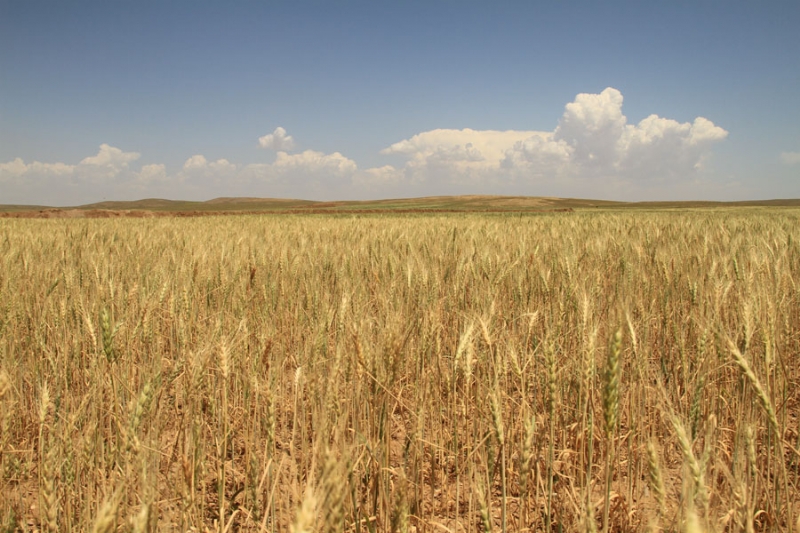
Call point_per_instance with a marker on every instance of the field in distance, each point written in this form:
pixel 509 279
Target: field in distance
pixel 430 204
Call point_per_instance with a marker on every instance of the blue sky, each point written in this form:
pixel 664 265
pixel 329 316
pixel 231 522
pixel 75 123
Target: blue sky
pixel 357 100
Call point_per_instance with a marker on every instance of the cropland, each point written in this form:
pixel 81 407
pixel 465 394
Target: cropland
pixel 504 366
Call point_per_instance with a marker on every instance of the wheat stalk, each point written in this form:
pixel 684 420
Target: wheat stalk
pixel 306 515
pixel 610 414
pixel 499 431
pixel 106 519
pixel 761 393
pixel 655 478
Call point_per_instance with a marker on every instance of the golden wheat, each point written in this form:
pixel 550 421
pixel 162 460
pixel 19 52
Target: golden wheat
pixel 379 373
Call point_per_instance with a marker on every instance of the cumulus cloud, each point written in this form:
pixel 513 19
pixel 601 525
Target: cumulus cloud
pixel 790 158
pixel 386 175
pixel 606 145
pixel 474 144
pixel 592 125
pixel 108 164
pixel 308 174
pixel 308 166
pixel 592 140
pixel 665 147
pixel 200 163
pixel 200 171
pixel 198 176
pixel 18 169
pixel 312 162
pixel 455 154
pixel 194 162
pixel 12 170
pixel 278 140
pixel 592 146
pixel 257 173
pixel 110 157
pixel 540 156
pixel 150 174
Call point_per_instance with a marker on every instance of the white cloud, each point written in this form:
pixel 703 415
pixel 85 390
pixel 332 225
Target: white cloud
pixel 278 140
pixel 592 140
pixel 12 170
pixel 478 145
pixel 379 176
pixel 196 161
pixel 665 148
pixel 110 157
pixel 18 169
pixel 222 165
pixel 592 148
pixel 592 124
pixel 539 156
pixel 606 146
pixel 459 156
pixel 307 167
pixel 107 165
pixel 150 174
pixel 703 130
pixel 790 158
pixel 455 155
pixel 199 162
pixel 311 162
pixel 199 170
pixel 257 172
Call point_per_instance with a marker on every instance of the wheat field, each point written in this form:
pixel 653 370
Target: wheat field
pixel 587 371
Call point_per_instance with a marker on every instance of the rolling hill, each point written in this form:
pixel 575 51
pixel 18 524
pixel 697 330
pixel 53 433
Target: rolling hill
pixel 467 203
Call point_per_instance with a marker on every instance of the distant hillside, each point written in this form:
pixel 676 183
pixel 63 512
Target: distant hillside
pixel 467 203
pixel 217 204
pixel 788 202
pixel 11 208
